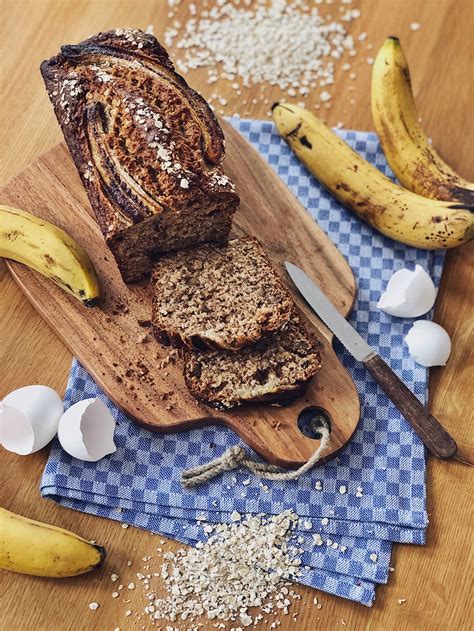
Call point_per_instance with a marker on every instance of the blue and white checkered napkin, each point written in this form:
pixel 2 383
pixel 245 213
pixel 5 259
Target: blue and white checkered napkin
pixel 140 483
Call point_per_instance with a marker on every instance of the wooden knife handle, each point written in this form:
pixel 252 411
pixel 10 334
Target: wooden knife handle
pixel 432 433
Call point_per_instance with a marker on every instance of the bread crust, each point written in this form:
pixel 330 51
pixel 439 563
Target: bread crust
pixel 145 143
pixel 285 396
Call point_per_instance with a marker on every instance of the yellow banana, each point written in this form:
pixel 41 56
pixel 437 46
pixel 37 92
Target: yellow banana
pixel 50 251
pixel 416 164
pixel 31 547
pixel 361 187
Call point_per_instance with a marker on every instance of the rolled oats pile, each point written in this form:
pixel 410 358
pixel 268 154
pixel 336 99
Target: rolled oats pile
pixel 292 44
pixel 248 563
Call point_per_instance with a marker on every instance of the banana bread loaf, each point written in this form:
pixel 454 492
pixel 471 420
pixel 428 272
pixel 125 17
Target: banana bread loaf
pixel 148 148
pixel 218 297
pixel 274 370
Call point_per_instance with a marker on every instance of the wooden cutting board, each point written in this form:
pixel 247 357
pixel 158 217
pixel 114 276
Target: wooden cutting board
pixel 133 369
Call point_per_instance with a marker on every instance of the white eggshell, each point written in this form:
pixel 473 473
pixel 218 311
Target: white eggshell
pixel 29 419
pixel 86 430
pixel 408 294
pixel 429 344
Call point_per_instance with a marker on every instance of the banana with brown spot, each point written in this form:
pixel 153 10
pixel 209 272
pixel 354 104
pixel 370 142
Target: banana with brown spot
pixel 416 164
pixel 50 251
pixel 361 187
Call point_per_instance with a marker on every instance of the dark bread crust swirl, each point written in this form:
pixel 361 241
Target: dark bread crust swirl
pixel 147 147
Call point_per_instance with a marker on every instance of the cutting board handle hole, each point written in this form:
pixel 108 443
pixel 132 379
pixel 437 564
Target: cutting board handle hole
pixel 312 419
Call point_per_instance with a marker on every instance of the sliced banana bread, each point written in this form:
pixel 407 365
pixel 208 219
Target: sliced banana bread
pixel 224 297
pixel 274 370
pixel 148 148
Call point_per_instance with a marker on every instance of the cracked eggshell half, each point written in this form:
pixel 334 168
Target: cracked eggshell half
pixel 86 430
pixel 409 294
pixel 428 343
pixel 29 419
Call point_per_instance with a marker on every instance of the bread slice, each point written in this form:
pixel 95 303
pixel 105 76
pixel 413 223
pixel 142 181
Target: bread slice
pixel 148 148
pixel 218 297
pixel 274 370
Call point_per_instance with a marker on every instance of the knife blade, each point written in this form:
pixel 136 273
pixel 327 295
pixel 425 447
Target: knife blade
pixel 327 312
pixel 432 433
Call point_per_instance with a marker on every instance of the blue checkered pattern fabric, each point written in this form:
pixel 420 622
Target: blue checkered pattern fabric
pixel 140 483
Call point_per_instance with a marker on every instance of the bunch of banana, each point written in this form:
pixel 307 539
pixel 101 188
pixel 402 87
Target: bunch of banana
pixel 31 547
pixel 50 251
pixel 416 164
pixel 394 211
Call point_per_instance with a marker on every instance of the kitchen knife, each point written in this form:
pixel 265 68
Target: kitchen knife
pixel 428 428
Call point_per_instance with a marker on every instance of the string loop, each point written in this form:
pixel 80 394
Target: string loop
pixel 237 457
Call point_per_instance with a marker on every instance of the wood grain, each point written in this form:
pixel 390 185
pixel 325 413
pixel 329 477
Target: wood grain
pixel 435 579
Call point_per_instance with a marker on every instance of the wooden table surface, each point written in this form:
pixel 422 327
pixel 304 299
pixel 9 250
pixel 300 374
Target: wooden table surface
pixel 433 579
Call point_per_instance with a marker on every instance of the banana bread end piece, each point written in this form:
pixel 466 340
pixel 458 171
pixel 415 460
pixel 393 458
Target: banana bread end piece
pixel 148 148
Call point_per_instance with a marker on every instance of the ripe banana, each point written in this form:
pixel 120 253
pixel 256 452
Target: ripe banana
pixel 394 211
pixel 50 251
pixel 31 547
pixel 416 164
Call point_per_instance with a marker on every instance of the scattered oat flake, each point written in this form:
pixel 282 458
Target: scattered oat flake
pixel 246 482
pixel 115 594
pixel 128 613
pixel 114 577
pixel 401 601
pixel 391 569
pixel 373 557
pixel 319 485
pixel 415 26
pixel 124 525
pixel 343 487
pixel 325 96
pixel 324 521
pixel 307 525
pixel 94 606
